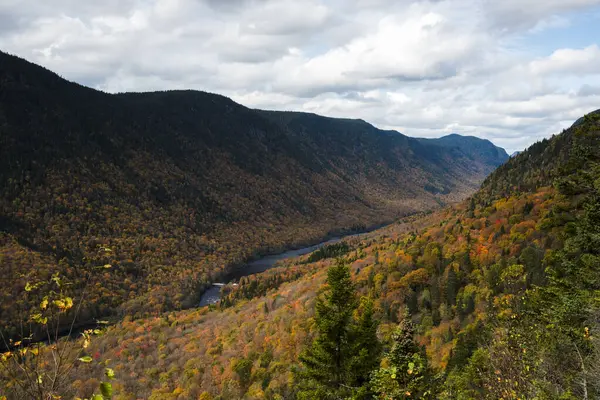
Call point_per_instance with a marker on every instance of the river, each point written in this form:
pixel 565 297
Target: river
pixel 212 294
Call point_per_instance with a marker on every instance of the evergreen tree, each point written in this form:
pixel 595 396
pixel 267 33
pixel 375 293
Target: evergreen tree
pixel 408 373
pixel 367 348
pixel 346 349
pixel 452 286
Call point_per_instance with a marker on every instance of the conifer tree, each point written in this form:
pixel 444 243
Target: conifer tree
pixel 367 349
pixel 345 349
pixel 408 374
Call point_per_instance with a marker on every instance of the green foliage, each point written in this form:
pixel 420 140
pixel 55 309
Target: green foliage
pixel 243 369
pixel 253 286
pixel 346 348
pixel 451 287
pixel 106 390
pixel 543 343
pixel 471 382
pixel 408 375
pixel 329 251
pixel 367 348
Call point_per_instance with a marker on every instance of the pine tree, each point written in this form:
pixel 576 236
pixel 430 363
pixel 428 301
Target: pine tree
pixel 345 349
pixel 367 349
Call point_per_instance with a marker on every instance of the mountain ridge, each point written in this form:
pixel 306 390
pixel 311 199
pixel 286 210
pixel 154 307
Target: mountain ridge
pixel 493 297
pixel 183 185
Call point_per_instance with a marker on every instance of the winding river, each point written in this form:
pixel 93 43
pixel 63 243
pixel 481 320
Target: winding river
pixel 212 294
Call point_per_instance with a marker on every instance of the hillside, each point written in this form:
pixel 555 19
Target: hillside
pixel 551 161
pixel 502 290
pixel 171 189
pixel 481 151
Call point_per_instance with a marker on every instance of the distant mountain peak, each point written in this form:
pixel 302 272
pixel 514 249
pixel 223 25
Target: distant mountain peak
pixel 458 135
pixel 477 148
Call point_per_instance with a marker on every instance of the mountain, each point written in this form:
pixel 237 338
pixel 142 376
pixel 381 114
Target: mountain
pixel 183 185
pixel 544 162
pixel 479 150
pixel 515 153
pixel 493 297
pixel 500 288
pixel 586 117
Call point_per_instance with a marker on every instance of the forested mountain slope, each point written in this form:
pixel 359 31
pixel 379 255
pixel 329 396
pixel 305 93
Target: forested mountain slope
pixel 478 150
pixel 179 186
pixel 502 291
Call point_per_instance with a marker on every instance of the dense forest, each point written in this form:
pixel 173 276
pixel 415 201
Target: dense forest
pixel 154 195
pixel 493 298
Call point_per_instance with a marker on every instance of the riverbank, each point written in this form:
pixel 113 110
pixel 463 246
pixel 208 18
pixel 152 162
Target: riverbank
pixel 264 263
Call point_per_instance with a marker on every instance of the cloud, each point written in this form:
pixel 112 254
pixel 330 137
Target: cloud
pixel 416 46
pixel 281 18
pixel 587 90
pixel 569 61
pixel 510 15
pixel 425 68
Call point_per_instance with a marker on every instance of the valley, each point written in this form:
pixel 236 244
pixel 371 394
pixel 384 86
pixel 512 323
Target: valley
pixel 481 281
pixel 212 295
pixel 122 211
pixel 183 186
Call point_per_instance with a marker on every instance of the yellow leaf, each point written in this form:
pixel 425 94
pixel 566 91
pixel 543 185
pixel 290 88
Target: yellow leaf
pixel 68 303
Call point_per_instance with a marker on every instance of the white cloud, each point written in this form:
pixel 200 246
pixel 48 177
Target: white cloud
pixel 418 45
pixel 425 68
pixel 569 61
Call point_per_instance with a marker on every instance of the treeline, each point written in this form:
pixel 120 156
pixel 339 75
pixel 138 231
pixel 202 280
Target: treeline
pixel 328 251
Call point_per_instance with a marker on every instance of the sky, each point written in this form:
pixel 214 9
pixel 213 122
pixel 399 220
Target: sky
pixel 512 71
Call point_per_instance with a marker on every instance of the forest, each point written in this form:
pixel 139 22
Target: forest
pixel 496 297
pixel 183 186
